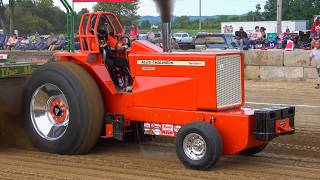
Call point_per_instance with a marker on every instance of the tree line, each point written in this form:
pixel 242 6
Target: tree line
pixel 29 16
pixel 292 10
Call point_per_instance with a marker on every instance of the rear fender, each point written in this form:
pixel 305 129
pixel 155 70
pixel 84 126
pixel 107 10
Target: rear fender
pixel 94 65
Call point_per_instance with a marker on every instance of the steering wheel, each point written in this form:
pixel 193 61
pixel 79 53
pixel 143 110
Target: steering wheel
pixel 122 38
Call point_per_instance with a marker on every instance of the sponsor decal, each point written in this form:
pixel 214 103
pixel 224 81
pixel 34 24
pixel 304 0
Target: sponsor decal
pixel 167 133
pixel 171 63
pixel 3 56
pixel 283 122
pixel 148 68
pixel 157 126
pixel 167 127
pixel 283 125
pixel 177 128
pixel 147 126
pixel 161 129
pixel 156 132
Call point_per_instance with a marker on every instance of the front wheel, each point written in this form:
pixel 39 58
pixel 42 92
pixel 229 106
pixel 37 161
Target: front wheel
pixel 198 145
pixel 63 109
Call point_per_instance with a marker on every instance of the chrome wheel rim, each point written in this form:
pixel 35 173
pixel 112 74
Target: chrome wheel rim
pixel 194 146
pixel 49 111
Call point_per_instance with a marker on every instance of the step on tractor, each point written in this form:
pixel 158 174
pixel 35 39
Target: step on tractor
pixel 114 86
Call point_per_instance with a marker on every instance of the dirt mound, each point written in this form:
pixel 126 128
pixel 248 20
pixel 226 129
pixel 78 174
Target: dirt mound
pixel 12 131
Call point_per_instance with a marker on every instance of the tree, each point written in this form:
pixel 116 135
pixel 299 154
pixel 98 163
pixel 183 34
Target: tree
pixel 30 24
pixel 2 15
pixel 257 13
pixel 79 16
pixel 181 22
pixel 126 12
pixel 29 16
pixel 293 9
pixel 145 24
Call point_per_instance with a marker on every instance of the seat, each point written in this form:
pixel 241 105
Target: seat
pixel 119 70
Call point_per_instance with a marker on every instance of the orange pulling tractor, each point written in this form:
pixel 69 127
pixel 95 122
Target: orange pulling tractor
pixel 114 86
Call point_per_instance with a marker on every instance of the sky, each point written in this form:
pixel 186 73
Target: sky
pixel 191 7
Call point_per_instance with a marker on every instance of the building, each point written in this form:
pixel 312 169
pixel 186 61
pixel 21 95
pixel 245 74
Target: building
pixel 271 26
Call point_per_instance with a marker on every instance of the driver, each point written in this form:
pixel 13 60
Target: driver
pixel 105 36
pixel 102 31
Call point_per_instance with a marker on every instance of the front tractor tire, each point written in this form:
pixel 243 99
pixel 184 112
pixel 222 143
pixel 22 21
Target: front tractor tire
pixel 63 109
pixel 198 145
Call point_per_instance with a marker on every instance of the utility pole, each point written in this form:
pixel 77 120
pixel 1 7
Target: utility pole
pixel 279 16
pixel 200 13
pixel 11 15
pixel 2 15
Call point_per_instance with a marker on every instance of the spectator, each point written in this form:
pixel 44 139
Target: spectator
pixel 315 57
pixel 35 41
pixel 255 37
pixel 12 41
pixel 174 43
pixel 316 36
pixel 242 38
pixel 59 45
pixel 316 23
pixel 263 36
pixel 2 39
pixel 151 36
pixel 286 37
pixel 35 38
pixel 263 33
pixel 271 43
pixel 127 30
pixel 47 43
pixel 134 32
pixel 23 44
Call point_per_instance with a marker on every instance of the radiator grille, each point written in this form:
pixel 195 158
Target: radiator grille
pixel 228 69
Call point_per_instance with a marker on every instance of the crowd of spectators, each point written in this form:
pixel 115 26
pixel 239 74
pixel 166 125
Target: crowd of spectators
pixel 45 42
pixel 257 39
pixel 260 39
pixel 34 42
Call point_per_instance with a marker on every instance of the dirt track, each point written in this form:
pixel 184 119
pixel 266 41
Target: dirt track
pixel 296 156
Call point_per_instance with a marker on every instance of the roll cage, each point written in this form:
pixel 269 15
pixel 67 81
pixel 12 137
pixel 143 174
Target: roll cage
pixel 88 35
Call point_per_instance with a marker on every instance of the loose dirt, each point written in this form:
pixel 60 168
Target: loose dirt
pixel 288 157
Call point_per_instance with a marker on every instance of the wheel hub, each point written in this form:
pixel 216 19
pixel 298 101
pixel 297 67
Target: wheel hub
pixel 58 111
pixel 194 146
pixel 49 111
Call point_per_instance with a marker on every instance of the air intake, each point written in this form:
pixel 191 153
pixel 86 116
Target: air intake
pixel 228 79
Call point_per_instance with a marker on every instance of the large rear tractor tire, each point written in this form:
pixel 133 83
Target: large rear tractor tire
pixel 63 109
pixel 198 145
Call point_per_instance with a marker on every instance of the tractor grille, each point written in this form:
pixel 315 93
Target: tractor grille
pixel 228 69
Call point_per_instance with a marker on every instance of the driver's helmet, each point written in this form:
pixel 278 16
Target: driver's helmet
pixel 102 26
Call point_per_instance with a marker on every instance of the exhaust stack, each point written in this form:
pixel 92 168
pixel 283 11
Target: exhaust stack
pixel 166 36
pixel 165 8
